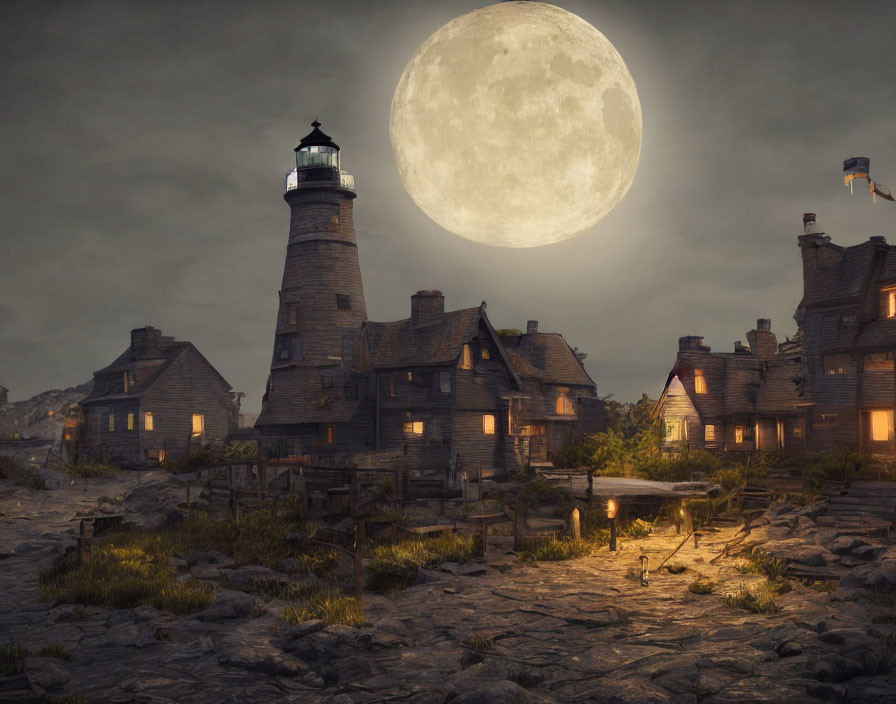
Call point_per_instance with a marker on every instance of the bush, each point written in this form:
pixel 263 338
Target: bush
pixel 761 563
pixel 757 599
pixel 701 585
pixel 195 460
pixel 20 474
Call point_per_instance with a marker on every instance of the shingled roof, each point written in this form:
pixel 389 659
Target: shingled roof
pixel 437 342
pixel 145 370
pixel 551 355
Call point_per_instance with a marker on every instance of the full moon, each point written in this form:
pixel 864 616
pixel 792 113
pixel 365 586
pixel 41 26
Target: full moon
pixel 516 125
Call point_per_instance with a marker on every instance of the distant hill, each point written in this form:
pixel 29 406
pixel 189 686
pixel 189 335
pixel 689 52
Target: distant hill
pixel 42 416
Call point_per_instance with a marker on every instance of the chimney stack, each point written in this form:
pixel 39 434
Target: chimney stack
pixel 692 343
pixel 145 343
pixel 809 226
pixel 763 342
pixel 531 327
pixel 427 306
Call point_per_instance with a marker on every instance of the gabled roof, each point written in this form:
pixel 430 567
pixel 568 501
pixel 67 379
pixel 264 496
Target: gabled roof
pixel 551 355
pixel 737 384
pixel 440 341
pixel 843 273
pixel 145 371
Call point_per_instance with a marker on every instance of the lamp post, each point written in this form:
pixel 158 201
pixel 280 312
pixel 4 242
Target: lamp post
pixel 611 514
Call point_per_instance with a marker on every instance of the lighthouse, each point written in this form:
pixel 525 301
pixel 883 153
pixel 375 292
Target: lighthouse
pixel 313 390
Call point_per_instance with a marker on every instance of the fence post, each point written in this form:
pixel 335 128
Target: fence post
pixel 575 525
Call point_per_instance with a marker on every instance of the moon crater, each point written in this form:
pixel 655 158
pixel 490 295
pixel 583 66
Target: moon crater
pixel 516 125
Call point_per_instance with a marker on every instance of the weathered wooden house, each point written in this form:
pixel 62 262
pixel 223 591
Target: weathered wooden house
pixel 159 399
pixel 442 390
pixel 831 386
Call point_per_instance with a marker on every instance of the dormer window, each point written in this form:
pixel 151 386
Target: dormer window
pixel 699 382
pixel 484 351
pixel 888 302
pixel 564 405
pixel 465 358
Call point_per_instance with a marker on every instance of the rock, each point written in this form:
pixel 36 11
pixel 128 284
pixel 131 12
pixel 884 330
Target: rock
pixel 426 576
pixel 867 552
pixel 46 673
pixel 501 692
pixel 53 480
pixel 174 518
pixel 851 581
pixel 208 557
pixel 177 563
pixel 845 544
pixel 884 577
pixel 205 644
pixel 228 605
pixel 205 571
pixel 803 526
pixel 634 690
pixel 139 614
pixel 465 570
pixel 819 625
pixel 242 577
pixel 788 648
pixel 291 565
pixel 299 631
pixel 778 509
pixel 15 683
pixel 812 556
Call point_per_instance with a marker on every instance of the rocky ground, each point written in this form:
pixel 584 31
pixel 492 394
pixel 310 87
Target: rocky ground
pixel 497 631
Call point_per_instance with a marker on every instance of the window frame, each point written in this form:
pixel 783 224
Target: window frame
pixel 488 424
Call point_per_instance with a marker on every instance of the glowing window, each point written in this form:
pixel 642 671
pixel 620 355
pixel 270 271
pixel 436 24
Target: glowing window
pixel 488 423
pixel 130 421
pixel 709 433
pixel 465 362
pixel 147 421
pixel 162 455
pixel 879 361
pixel 738 433
pixel 484 351
pixel 198 424
pixel 672 429
pixel 881 425
pixel 410 376
pixel 564 405
pixel 891 304
pixel 330 434
pixel 111 422
pixel 414 427
pixel 699 382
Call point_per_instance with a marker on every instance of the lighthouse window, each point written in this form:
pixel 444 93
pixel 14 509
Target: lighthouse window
pixel 334 223
pixel 343 301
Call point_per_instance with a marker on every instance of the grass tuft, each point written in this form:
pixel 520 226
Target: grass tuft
pixel 55 650
pixel 84 470
pixel 702 585
pixel 480 642
pixel 328 604
pixel 757 599
pixel 395 567
pixel 555 550
pixel 12 658
pixel 760 562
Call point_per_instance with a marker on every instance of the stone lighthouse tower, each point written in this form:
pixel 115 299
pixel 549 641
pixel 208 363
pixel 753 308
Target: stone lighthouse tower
pixel 313 393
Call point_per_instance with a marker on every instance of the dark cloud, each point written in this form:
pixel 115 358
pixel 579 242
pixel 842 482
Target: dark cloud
pixel 144 145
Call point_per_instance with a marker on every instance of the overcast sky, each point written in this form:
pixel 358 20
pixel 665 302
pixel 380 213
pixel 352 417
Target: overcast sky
pixel 144 145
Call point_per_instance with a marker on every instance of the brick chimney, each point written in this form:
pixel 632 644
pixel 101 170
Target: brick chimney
pixel 145 343
pixel 692 343
pixel 763 342
pixel 810 242
pixel 427 306
pixel 531 327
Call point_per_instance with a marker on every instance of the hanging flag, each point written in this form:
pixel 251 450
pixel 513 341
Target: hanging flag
pixel 856 167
